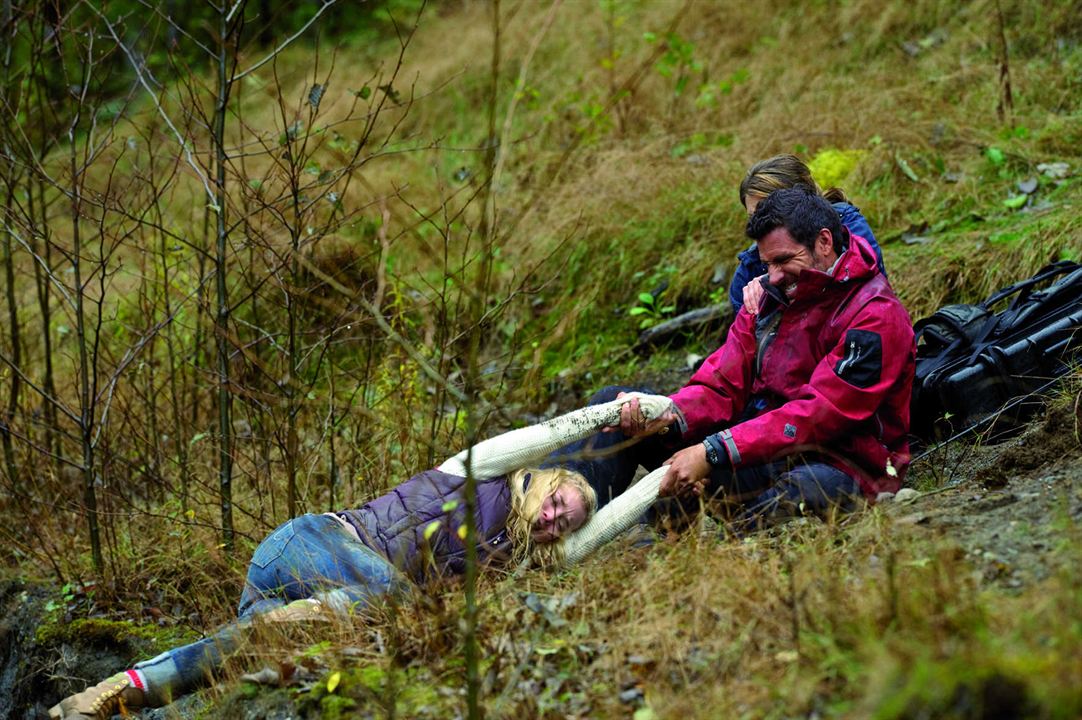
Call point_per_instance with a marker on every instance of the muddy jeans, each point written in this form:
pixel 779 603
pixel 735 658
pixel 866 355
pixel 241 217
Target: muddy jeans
pixel 309 556
pixel 609 461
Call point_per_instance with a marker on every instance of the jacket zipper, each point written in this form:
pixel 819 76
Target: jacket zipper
pixel 770 332
pixel 849 358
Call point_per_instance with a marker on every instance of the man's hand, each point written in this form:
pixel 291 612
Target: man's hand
pixel 688 471
pixel 753 294
pixel 633 421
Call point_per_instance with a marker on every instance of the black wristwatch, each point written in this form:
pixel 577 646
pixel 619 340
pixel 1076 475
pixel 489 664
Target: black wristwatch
pixel 714 450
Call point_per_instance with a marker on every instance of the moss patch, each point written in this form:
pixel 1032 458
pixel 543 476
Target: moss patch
pixel 98 631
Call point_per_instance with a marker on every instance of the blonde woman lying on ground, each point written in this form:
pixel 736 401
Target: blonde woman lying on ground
pixel 340 562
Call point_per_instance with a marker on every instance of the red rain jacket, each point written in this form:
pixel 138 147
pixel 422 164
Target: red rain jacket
pixel 831 373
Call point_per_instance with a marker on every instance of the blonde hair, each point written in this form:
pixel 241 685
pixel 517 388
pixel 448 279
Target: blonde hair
pixel 526 504
pixel 778 173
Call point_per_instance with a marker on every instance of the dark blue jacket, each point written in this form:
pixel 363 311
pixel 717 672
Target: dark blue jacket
pixel 416 525
pixel 751 266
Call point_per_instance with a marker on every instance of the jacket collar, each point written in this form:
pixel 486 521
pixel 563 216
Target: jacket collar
pixel 857 262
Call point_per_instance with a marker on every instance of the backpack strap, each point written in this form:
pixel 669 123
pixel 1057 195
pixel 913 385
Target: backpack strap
pixel 1048 271
pixel 1017 309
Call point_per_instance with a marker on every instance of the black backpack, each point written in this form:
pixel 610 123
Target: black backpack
pixel 975 364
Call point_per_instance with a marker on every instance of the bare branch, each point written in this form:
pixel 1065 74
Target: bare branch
pixel 139 74
pixel 132 352
pixel 29 383
pixel 57 282
pixel 285 43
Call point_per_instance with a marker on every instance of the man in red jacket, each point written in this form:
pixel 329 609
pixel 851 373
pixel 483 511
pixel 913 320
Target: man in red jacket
pixel 807 402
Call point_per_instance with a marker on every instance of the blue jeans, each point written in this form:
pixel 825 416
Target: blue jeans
pixel 609 461
pixel 309 556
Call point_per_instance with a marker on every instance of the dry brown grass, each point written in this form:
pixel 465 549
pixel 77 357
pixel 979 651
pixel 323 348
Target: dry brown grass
pixel 710 626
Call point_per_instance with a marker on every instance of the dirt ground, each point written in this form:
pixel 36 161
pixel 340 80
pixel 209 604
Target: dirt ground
pixel 1008 504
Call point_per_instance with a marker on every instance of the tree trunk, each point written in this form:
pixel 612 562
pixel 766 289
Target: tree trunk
pixel 221 317
pixel 86 409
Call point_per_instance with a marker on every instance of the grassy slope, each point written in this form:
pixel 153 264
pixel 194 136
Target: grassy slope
pixel 647 191
pixel 865 619
pixel 816 620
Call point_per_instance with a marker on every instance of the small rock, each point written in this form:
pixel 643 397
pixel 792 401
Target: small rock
pixel 939 131
pixel 953 177
pixel 1028 186
pixel 265 676
pixel 1055 170
pixel 917 519
pixel 696 159
pixel 787 656
pixel 906 495
pixel 632 695
pixel 721 271
pixel 1039 206
pixel 916 239
pixel 884 497
pixel 692 360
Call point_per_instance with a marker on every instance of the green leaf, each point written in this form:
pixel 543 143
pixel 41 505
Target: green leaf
pixel 904 167
pixel 995 156
pixel 431 529
pixel 646 298
pixel 196 438
pixel 449 506
pixel 637 310
pixel 333 680
pixel 1015 201
pixel 364 93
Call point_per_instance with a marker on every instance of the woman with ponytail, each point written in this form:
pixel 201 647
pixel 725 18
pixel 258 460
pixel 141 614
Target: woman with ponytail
pixel 763 178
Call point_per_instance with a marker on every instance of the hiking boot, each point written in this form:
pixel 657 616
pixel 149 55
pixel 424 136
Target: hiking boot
pixel 113 695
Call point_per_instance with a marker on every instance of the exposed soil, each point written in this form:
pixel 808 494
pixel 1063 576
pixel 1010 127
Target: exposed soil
pixel 1005 504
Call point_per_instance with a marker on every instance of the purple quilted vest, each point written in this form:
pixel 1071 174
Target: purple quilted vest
pixel 416 525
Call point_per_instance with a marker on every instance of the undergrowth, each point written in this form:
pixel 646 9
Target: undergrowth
pixel 632 127
pixel 868 618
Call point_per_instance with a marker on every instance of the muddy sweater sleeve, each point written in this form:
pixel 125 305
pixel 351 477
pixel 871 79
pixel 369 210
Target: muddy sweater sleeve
pixel 719 389
pixel 846 388
pixel 529 445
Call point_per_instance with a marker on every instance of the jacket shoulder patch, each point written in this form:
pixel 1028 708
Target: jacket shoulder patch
pixel 863 361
